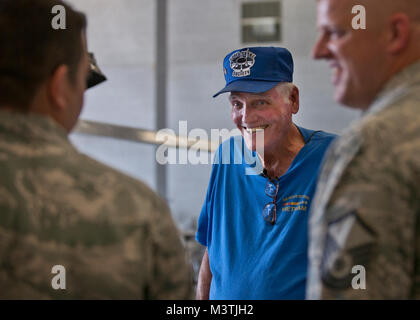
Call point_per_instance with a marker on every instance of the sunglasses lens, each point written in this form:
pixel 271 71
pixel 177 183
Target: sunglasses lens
pixel 269 212
pixel 271 189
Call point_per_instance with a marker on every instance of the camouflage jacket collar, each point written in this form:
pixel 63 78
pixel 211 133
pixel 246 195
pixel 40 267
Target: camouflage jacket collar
pixel 398 86
pixel 31 127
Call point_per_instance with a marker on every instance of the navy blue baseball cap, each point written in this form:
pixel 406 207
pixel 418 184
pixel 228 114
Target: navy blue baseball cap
pixel 256 69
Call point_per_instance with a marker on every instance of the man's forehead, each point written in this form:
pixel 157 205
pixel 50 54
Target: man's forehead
pixel 334 11
pixel 335 5
pixel 237 94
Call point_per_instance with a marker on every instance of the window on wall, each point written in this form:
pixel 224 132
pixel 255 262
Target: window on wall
pixel 261 22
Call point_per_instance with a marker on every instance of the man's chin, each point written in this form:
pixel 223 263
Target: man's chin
pixel 350 101
pixel 341 97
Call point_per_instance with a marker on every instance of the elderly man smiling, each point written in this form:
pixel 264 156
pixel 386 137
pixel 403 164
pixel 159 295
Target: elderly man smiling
pixel 365 230
pixel 255 226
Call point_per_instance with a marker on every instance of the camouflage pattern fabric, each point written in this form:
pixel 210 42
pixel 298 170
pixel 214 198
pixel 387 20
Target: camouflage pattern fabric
pixel 113 235
pixel 367 204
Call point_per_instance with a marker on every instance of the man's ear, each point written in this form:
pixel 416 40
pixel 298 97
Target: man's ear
pixel 399 25
pixel 58 88
pixel 294 99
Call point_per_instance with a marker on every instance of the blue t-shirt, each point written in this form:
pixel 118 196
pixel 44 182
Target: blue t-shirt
pixel 250 258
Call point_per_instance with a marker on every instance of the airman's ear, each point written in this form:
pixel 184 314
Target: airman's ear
pixel 294 99
pixel 399 27
pixel 58 88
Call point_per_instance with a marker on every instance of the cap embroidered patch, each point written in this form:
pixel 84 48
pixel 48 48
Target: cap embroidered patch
pixel 241 63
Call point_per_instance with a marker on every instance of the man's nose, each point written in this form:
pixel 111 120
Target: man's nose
pixel 248 114
pixel 321 50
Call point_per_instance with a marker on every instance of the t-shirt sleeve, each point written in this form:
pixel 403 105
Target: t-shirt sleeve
pixel 203 223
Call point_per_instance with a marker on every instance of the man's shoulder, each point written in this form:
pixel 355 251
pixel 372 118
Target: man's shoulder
pixel 389 146
pixel 319 138
pixel 323 138
pixel 117 183
pixel 61 178
pixel 90 164
pixel 321 135
pixel 231 141
pixel 396 128
pixel 234 146
pixel 310 134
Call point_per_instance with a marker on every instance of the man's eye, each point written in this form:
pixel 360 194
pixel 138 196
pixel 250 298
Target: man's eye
pixel 236 105
pixel 261 102
pixel 336 34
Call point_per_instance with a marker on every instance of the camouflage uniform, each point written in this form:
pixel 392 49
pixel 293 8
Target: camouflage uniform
pixel 115 238
pixel 367 205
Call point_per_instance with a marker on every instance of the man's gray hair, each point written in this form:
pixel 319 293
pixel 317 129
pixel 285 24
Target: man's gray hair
pixel 285 89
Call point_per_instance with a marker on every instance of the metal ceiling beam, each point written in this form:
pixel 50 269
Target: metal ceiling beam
pixel 142 136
